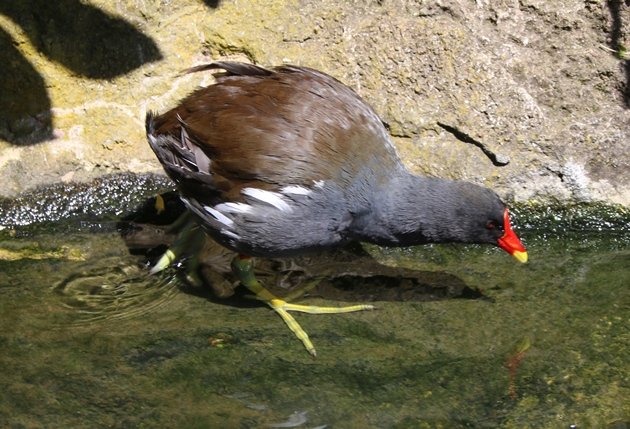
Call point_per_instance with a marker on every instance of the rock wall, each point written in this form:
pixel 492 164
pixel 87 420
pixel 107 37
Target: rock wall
pixel 530 97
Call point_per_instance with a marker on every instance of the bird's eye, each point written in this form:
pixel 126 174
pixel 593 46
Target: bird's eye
pixel 491 224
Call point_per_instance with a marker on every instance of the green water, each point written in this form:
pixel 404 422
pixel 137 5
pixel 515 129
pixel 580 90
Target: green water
pixel 88 340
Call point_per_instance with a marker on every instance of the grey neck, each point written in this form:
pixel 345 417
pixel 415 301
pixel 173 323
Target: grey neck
pixel 415 210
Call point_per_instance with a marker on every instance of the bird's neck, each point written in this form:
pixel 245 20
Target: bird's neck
pixel 413 210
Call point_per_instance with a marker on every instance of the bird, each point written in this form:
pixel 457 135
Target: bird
pixel 284 161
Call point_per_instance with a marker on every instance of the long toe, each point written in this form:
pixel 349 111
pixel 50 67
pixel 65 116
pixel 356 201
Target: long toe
pixel 243 268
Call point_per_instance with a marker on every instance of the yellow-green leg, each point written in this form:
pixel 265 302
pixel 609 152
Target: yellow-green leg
pixel 188 241
pixel 243 268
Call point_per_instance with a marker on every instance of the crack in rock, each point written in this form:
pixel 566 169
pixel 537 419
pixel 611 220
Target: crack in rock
pixel 496 158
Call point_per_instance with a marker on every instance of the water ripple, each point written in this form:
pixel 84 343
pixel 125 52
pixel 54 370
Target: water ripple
pixel 115 289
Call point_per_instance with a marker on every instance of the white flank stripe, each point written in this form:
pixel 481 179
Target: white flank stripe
pixel 219 216
pixel 230 234
pixel 234 207
pixel 295 190
pixel 268 197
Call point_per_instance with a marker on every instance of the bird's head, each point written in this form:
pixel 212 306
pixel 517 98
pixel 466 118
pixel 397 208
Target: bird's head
pixel 481 217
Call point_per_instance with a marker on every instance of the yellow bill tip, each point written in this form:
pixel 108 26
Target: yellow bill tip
pixel 520 256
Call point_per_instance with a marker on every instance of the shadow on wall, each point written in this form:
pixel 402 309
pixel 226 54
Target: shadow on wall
pixel 24 104
pixel 617 45
pixel 83 38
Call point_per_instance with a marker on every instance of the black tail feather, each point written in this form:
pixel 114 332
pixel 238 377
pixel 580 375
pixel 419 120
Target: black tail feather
pixel 232 68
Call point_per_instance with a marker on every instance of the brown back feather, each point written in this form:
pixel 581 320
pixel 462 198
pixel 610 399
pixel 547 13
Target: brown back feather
pixel 286 126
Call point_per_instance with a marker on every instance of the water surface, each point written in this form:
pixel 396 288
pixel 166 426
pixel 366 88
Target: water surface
pixel 89 340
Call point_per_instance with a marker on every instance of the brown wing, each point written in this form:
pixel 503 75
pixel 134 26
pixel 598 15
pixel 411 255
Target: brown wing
pixel 271 128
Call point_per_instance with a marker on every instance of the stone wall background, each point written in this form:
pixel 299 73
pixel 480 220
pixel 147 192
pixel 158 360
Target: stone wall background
pixel 541 84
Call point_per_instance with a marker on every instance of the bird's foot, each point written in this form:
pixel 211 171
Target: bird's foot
pixel 282 307
pixel 243 268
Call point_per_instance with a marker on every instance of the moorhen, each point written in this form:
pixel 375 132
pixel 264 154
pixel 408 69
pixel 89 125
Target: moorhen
pixel 288 160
